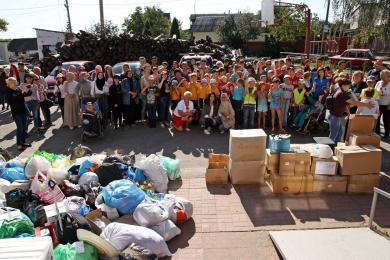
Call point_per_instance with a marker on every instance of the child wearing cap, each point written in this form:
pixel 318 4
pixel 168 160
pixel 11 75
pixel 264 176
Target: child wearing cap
pixel 214 88
pixel 369 98
pixel 204 90
pixel 249 104
pixel 175 93
pixel 299 96
pixel 262 103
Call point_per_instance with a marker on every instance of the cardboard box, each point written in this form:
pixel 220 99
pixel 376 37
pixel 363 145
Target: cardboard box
pixel 363 183
pixel 246 172
pixel 272 161
pixel 96 220
pixel 247 145
pixel 324 166
pixel 217 171
pixel 363 159
pixel 287 164
pixel 365 139
pixel 291 184
pixel 302 163
pixel 323 183
pixel 364 124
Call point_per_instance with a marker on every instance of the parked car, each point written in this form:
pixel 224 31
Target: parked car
pixel 89 66
pixel 197 57
pixel 117 68
pixel 358 58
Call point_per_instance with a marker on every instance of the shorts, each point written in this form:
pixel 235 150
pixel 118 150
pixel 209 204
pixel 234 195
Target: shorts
pixel 177 121
pixel 274 106
pixel 262 107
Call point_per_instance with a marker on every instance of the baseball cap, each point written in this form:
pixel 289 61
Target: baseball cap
pixel 287 77
pixel 151 77
pixel 203 81
pixel 251 79
pixel 301 81
pixel 174 82
pixel 213 81
pixel 371 78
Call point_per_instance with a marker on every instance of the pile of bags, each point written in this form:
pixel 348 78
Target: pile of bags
pixel 57 193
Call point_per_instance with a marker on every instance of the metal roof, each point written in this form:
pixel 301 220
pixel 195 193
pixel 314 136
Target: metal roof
pixel 23 44
pixel 207 22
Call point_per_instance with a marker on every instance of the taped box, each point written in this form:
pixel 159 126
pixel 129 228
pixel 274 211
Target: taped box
pixel 355 160
pixel 247 145
pixel 246 172
pixel 324 166
pixel 363 183
pixel 364 124
pixel 324 183
pixel 291 184
pixel 217 170
pixel 365 139
pixel 272 161
pixel 302 163
pixel 287 164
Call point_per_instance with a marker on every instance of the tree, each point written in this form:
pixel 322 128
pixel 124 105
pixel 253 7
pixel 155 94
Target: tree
pixel 110 29
pixel 3 25
pixel 235 30
pixel 291 24
pixel 150 21
pixel 175 29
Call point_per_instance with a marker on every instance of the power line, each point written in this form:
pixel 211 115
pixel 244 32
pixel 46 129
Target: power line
pixel 27 8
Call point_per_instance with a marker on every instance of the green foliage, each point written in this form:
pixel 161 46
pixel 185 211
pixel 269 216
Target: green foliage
pixel 149 21
pixel 235 30
pixel 3 25
pixel 291 25
pixel 175 28
pixel 271 47
pixel 110 29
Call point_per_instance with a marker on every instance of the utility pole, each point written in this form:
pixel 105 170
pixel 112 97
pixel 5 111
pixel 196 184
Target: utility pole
pixel 326 25
pixel 67 10
pixel 308 28
pixel 101 17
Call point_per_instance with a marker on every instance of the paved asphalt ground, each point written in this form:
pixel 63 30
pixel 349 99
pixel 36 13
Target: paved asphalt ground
pixel 229 222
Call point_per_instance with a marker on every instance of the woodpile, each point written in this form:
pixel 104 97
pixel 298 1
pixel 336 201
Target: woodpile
pixel 129 48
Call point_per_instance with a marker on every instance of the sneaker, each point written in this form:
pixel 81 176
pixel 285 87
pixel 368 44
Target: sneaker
pixel 206 132
pixel 26 145
pixel 222 132
pixel 162 125
pixel 21 148
pixel 187 129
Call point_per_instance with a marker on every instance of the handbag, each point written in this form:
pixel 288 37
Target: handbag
pixel 48 103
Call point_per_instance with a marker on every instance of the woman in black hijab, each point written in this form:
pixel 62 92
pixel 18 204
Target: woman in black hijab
pixel 101 91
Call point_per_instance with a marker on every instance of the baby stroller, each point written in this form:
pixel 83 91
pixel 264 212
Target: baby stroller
pixel 92 121
pixel 310 118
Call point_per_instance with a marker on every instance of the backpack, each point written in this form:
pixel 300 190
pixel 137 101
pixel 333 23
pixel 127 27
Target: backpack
pixel 329 101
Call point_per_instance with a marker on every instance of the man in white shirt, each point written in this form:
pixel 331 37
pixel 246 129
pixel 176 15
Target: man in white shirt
pixel 383 87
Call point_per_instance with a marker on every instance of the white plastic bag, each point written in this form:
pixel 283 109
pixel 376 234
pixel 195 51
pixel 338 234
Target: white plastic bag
pixel 4 185
pixel 37 163
pixel 38 185
pixel 150 213
pixel 86 179
pixel 155 172
pixel 122 235
pixel 167 229
pixel 179 209
pixel 57 174
pixel 318 150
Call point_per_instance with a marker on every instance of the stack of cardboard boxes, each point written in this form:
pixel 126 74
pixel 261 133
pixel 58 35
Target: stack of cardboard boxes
pixel 289 172
pixel 326 177
pixel 247 156
pixel 360 131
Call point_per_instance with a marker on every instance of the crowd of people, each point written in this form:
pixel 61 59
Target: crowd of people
pixel 218 95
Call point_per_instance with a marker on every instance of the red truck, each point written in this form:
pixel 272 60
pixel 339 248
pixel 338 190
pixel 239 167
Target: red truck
pixel 357 58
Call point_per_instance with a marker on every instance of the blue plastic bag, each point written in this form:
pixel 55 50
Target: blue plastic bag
pixel 87 166
pixel 136 174
pixel 123 195
pixel 13 174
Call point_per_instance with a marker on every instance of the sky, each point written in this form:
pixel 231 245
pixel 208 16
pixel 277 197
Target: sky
pixel 24 15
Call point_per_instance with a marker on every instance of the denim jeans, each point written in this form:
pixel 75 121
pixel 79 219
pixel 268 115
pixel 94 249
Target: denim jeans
pixel 385 114
pixel 337 128
pixel 143 107
pixel 33 108
pixel 163 109
pixel 46 112
pixel 237 112
pixel 249 116
pixel 285 107
pixel 21 128
pixel 152 118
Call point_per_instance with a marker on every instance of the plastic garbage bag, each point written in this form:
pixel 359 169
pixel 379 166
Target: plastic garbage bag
pixel 122 235
pixel 57 174
pixel 167 229
pixel 88 165
pixel 80 151
pixel 16 162
pixel 51 157
pixel 69 252
pixel 153 170
pixel 14 227
pixel 172 166
pixel 318 150
pixel 37 163
pixel 136 174
pixel 123 195
pixel 4 185
pixel 86 179
pixel 179 209
pixel 76 205
pixel 150 213
pixel 61 163
pixel 13 174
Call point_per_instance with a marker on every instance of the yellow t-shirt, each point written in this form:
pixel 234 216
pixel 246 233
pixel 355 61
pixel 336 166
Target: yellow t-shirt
pixel 194 89
pixel 204 91
pixel 215 89
pixel 376 95
pixel 175 93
